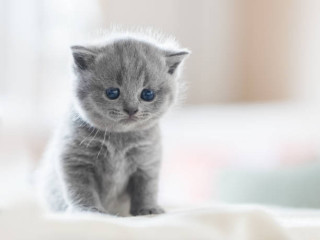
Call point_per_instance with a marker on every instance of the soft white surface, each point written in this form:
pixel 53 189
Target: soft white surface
pixel 25 220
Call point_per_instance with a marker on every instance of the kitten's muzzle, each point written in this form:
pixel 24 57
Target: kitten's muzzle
pixel 130 111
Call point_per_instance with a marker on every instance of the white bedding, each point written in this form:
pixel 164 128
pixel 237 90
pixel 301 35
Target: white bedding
pixel 25 220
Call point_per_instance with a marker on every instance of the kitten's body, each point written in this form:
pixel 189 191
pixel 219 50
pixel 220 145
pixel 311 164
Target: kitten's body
pixel 100 159
pixel 93 146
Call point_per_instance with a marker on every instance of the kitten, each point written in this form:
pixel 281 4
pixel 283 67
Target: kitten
pixel 105 157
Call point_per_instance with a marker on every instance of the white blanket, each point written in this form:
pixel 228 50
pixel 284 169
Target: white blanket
pixel 25 220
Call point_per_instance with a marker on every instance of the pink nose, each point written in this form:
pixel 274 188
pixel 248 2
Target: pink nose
pixel 130 111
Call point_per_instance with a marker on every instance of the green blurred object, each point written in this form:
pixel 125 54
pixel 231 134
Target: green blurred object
pixel 292 187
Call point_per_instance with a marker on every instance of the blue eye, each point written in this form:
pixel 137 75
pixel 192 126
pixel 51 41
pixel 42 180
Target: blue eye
pixel 147 95
pixel 113 93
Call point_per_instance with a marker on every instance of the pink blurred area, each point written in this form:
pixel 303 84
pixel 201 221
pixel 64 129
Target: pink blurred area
pixel 202 142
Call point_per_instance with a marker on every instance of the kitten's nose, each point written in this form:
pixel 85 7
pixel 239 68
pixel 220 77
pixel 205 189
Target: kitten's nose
pixel 130 111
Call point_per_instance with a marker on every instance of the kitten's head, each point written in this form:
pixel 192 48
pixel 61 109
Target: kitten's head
pixel 125 84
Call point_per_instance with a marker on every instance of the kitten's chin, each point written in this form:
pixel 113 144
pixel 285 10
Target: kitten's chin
pixel 128 125
pixel 125 125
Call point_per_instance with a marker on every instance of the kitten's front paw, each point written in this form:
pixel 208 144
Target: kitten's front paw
pixel 147 211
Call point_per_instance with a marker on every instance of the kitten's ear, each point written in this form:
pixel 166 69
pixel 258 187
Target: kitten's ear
pixel 174 58
pixel 83 57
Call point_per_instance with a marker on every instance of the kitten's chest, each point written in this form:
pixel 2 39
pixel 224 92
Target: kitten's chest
pixel 117 150
pixel 116 163
pixel 114 174
pixel 115 166
pixel 115 171
pixel 117 156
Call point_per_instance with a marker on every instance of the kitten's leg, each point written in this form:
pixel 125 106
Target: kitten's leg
pixel 143 188
pixel 80 188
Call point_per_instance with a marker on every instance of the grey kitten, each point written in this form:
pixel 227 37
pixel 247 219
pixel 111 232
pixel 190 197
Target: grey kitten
pixel 106 156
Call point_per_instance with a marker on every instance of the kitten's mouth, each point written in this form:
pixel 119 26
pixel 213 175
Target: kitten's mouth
pixel 130 119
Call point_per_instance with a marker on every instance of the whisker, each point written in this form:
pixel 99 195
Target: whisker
pixel 92 138
pixel 86 137
pixel 106 152
pixel 104 137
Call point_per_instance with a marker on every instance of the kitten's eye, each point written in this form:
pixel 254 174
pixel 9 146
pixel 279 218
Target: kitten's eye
pixel 147 95
pixel 113 93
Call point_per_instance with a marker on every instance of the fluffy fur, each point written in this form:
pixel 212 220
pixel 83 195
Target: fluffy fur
pixel 101 158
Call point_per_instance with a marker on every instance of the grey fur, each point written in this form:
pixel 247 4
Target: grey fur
pixel 101 160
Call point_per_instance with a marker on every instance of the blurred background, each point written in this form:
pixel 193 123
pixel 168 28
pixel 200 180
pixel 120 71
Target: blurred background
pixel 248 131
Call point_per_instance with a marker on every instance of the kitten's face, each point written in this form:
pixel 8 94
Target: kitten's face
pixel 126 85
